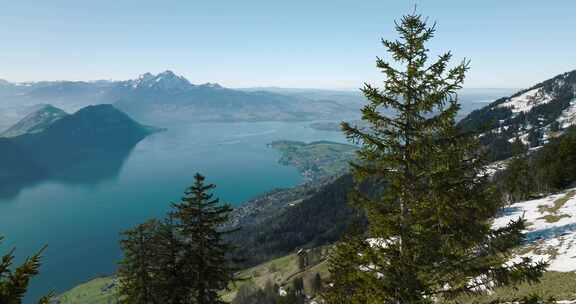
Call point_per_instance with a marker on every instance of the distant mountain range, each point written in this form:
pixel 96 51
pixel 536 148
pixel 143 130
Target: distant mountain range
pixel 531 116
pixel 90 144
pixel 169 97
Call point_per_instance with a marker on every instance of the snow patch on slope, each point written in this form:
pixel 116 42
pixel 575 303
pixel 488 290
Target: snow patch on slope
pixel 551 231
pixel 528 100
pixel 568 116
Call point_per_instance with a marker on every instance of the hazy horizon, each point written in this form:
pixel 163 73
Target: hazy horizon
pixel 255 87
pixel 325 45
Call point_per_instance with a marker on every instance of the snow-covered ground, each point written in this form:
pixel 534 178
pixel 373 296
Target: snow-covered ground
pixel 526 101
pixel 568 116
pixel 494 167
pixel 551 231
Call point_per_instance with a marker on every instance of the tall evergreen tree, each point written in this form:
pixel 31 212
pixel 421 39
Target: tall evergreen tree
pixel 138 270
pixel 430 236
pixel 198 219
pixel 517 180
pixel 14 282
pixel 172 269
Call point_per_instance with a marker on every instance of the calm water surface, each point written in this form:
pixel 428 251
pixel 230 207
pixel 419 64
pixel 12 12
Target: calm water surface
pixel 80 218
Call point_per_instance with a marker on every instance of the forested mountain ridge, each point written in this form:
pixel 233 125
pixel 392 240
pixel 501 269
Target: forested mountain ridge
pixel 310 218
pixel 90 125
pixel 270 204
pixel 88 145
pixel 532 116
pixel 36 121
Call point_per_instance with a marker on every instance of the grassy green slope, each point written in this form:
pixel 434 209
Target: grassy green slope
pixel 91 292
pixel 560 285
pixel 281 271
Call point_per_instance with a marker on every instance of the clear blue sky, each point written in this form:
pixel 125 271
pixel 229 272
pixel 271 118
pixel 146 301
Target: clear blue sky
pixel 296 43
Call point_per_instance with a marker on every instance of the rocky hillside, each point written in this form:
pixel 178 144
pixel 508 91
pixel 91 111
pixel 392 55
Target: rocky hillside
pixel 531 116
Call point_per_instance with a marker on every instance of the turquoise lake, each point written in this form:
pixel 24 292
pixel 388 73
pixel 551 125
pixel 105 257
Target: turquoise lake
pixel 80 219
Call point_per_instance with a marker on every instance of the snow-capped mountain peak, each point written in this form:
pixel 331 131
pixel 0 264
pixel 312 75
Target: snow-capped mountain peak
pixel 212 85
pixel 165 81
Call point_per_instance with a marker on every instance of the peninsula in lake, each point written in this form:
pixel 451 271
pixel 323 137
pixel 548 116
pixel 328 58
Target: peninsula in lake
pixel 316 160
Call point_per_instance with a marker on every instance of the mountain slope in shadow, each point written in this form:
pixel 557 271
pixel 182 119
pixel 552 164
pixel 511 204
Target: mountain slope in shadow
pixel 86 147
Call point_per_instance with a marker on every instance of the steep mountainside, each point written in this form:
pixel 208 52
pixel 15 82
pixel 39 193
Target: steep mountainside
pixel 531 116
pixel 35 122
pixel 316 217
